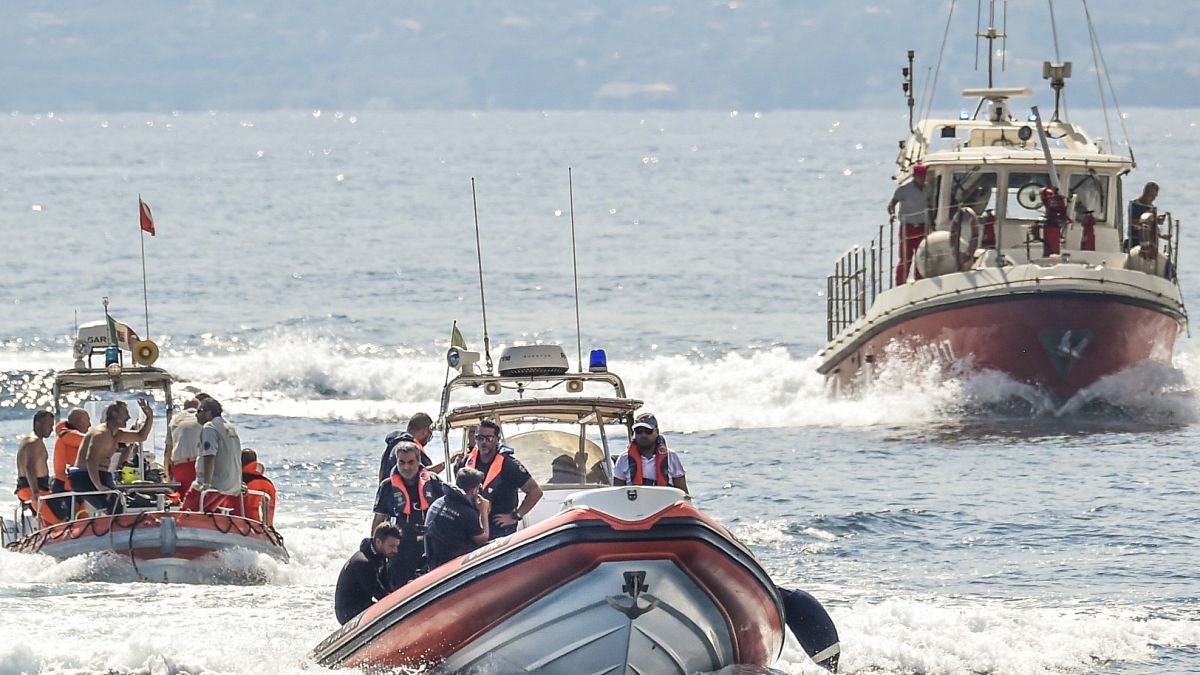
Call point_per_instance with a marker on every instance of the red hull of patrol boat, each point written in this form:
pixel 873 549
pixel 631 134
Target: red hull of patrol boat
pixel 464 614
pixel 171 539
pixel 1059 344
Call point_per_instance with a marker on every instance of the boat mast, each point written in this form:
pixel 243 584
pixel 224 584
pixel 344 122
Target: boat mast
pixel 991 35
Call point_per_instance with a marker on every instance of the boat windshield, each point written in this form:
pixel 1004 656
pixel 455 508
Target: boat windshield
pixel 1091 194
pixel 976 189
pixel 1023 199
pixel 555 459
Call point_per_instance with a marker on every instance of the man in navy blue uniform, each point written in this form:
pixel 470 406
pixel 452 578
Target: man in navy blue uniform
pixel 458 522
pixel 404 498
pixel 503 477
pixel 419 431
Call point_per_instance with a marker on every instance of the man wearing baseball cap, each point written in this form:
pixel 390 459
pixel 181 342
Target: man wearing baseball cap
pixel 649 461
pixel 916 201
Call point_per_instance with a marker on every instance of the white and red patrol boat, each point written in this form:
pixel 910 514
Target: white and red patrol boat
pixel 629 579
pixel 1055 296
pixel 161 542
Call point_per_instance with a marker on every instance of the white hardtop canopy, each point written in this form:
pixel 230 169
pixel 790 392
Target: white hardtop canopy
pixel 1000 138
pixel 582 410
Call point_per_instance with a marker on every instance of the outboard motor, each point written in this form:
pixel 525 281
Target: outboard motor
pixel 813 628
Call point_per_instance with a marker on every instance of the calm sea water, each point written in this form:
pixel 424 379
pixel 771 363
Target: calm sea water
pixel 307 271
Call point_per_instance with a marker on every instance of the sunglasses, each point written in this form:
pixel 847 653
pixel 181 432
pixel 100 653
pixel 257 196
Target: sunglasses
pixel 644 430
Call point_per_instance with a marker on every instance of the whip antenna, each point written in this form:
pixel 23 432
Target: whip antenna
pixel 575 271
pixel 487 351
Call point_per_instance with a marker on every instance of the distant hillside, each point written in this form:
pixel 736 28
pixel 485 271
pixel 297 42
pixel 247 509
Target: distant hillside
pixel 553 54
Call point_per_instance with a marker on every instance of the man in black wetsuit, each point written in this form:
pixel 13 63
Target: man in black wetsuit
pixel 363 580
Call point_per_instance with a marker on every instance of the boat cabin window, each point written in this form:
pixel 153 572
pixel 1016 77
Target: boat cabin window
pixel 1023 198
pixel 975 189
pixel 554 458
pixel 1091 196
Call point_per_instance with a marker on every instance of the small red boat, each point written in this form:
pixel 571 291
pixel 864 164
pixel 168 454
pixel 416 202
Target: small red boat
pixel 161 542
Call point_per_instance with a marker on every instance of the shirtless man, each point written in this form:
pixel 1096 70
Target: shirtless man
pixel 90 473
pixel 33 470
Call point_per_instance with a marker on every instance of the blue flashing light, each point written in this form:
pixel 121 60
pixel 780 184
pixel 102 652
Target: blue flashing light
pixel 1032 117
pixel 598 361
pixel 112 355
pixel 964 115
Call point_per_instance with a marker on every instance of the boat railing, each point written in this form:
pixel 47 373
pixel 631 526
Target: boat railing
pixel 264 505
pixel 860 275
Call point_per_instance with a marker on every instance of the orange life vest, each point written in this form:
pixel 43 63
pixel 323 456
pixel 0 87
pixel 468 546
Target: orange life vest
pixel 400 493
pixel 660 466
pixel 66 451
pixel 252 476
pixel 493 471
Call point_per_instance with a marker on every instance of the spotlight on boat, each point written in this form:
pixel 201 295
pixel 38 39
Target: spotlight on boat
pixel 574 386
pixel 598 363
pixel 114 369
pixel 491 388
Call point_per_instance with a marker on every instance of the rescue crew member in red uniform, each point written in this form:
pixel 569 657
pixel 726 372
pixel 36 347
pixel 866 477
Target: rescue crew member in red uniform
pixel 253 479
pixel 404 500
pixel 503 475
pixel 363 579
pixel 649 460
pixel 915 199
pixel 1056 220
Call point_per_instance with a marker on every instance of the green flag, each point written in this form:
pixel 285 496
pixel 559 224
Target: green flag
pixel 112 331
pixel 456 338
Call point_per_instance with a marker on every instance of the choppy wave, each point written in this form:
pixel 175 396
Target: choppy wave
pixel 302 375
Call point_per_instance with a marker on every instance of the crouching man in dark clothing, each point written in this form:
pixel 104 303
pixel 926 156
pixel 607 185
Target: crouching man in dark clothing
pixel 457 523
pixel 364 577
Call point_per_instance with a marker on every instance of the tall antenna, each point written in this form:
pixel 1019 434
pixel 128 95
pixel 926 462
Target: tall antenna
pixel 575 271
pixel 487 348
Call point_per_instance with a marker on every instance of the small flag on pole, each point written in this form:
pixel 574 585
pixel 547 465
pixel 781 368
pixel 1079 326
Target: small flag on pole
pixel 456 338
pixel 147 218
pixel 112 330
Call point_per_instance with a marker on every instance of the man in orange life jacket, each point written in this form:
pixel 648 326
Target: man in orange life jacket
pixel 503 475
pixel 66 448
pixel 253 479
pixel 404 499
pixel 649 461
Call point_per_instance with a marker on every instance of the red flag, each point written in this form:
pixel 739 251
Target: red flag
pixel 147 217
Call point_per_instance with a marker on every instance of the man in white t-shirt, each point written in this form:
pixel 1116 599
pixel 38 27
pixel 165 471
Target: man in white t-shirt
pixel 183 445
pixel 219 464
pixel 915 200
pixel 649 461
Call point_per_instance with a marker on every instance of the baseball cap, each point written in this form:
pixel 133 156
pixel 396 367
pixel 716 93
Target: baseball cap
pixel 645 420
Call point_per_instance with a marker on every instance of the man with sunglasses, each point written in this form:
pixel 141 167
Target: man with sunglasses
pixel 649 461
pixel 504 476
